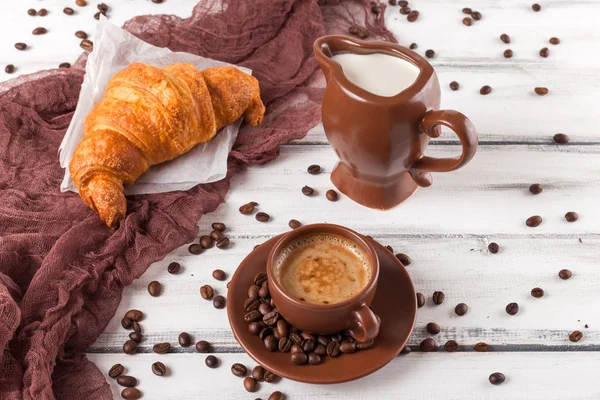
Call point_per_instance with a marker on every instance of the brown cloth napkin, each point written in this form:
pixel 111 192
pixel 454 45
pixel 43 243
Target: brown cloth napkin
pixel 61 270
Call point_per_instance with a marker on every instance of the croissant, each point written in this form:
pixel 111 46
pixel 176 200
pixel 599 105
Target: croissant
pixel 150 115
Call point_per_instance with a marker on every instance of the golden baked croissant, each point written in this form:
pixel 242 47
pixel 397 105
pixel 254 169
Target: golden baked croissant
pixel 150 115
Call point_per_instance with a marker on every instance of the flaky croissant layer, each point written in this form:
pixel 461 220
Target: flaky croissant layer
pixel 150 115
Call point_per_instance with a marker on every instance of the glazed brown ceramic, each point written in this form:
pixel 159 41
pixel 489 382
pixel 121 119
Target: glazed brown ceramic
pixel 353 314
pixel 395 303
pixel 379 140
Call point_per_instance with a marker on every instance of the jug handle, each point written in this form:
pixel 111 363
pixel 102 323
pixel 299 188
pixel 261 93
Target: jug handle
pixel 467 134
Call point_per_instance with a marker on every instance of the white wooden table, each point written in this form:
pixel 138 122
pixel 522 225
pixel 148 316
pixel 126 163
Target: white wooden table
pixel 445 228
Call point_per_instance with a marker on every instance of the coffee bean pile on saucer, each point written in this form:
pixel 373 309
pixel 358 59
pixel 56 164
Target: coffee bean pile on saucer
pixel 277 334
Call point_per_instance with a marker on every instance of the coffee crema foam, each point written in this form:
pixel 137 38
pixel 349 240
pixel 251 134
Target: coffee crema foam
pixel 322 269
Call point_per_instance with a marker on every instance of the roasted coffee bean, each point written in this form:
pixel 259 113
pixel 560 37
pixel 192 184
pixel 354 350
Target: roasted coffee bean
pixel 485 90
pixel 545 52
pixel 271 343
pixel 493 247
pixel 299 358
pixel 364 345
pixel 554 40
pixel 98 14
pixel 348 348
pixel 126 323
pixel 265 332
pixel 218 226
pixel 505 38
pixel 314 169
pixel 258 373
pixel 283 328
pixel 324 340
pixel 297 339
pixel 20 46
pixel 536 188
pixel 271 377
pixel 260 278
pixel 277 395
pixel 497 378
pixel 308 191
pixel 68 11
pixel 137 328
pixel 158 1
pixel 561 138
pixel 223 243
pixel 314 359
pixel 571 216
pixel 508 53
pixel 206 242
pixel 467 10
pixel 136 336
pixel 541 91
pixel 438 297
pixel 250 384
pixel 252 316
pixel 413 16
pixel 429 53
pixel 253 291
pixel 461 309
pixel 296 349
pixel 9 69
pixel 321 350
pixel 271 318
pixel 81 3
pixel 347 339
pixel 39 31
pixel 251 304
pixel 174 268
pixel 264 291
pixel 390 248
pixel 116 370
pixel 203 346
pixel 207 292
pixel 454 85
pixel 565 274
pixel 294 224
pixel 405 350
pixel 420 300
pixel 211 361
pixel 185 339
pixel 159 369
pixel 131 394
pixel 161 348
pixel 403 3
pixel 32 12
pixel 308 345
pixel 332 195
pixel 333 349
pixel 239 369
pixel 102 7
pixel 476 15
pixel 392 2
pixel 405 10
pixel 216 235
pixel 536 7
pixel 256 327
pixel 219 275
pixel 451 346
pixel 284 345
pixel 219 302
pixel 537 292
pixel 247 209
pixel 130 347
pixel 428 345
pixel 413 46
pixel 534 221
pixel 575 336
pixel 127 381
pixel 264 309
pixel 195 249
pixel 433 328
pixel 336 337
pixel 512 308
pixel 481 347
pixel 262 217
pixel 404 259
pixel 81 35
pixel 154 288
pixel 467 21
pixel 42 12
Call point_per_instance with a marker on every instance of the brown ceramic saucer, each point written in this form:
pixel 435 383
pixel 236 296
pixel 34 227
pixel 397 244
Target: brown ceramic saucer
pixel 395 303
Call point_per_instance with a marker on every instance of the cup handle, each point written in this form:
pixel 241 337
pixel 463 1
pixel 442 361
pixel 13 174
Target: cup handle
pixel 367 325
pixel 467 134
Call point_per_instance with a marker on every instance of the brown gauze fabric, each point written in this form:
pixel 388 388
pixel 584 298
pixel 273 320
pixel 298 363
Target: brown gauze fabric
pixel 62 271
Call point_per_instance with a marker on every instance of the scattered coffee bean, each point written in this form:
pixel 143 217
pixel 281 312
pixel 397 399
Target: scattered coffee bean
pixel 405 10
pixel 157 1
pixel 211 361
pixel 42 12
pixel 161 348
pixel 224 243
pixel 534 221
pixel 262 217
pixel 332 195
pixel 136 337
pixel 392 2
pixel 81 3
pixel 137 328
pixel 461 309
pixel 413 46
pixel 127 381
pixel 216 235
pixel 536 188
pixel 429 53
pixel 413 16
pixel 277 395
pixel 571 216
pixel 505 38
pixel 308 191
pixel 565 274
pixel 467 21
pixel 390 249
pixel 554 40
pixel 68 11
pixel 154 288
pixel 402 3
pixel 420 300
pixel 247 208
pixel 433 328
pixel 32 12
pixel 454 85
pixel 476 15
pixel 404 259
pixel 485 90
pixel 9 69
pixel 20 46
pixel 159 369
pixel 512 308
pixel 81 35
pixel 174 268
pixel 207 292
pixel 116 370
pixel 481 347
pixel 64 65
pixel 561 138
pixel 438 297
pixel 294 224
pixel 541 91
pixel 131 394
pixel 508 53
pixel 428 345
pixel 185 339
pixel 250 384
pixel 575 336
pixel 536 7
pixel 314 169
pixel 130 347
pixel 195 248
pixel 451 346
pixel 39 31
pixel 98 14
pixel 206 242
pixel 203 346
pixel 239 370
pixel 537 292
pixel 219 274
pixel 126 323
pixel 299 358
pixel 497 378
pixel 219 302
pixel 219 226
pixel 405 350
pixel 102 7
pixel 258 373
pixel 545 52
pixel 493 247
pixel 467 10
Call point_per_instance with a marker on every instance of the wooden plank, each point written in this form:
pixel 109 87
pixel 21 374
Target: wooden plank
pixel 460 376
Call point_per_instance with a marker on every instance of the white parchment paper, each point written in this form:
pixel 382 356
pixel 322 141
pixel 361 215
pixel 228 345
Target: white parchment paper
pixel 115 49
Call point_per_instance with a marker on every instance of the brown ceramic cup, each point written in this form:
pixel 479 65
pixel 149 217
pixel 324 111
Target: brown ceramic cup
pixel 352 315
pixel 381 140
